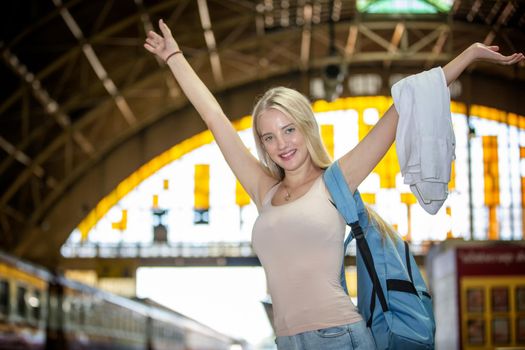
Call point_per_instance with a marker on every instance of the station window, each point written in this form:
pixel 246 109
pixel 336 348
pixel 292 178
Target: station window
pixel 21 306
pixel 4 297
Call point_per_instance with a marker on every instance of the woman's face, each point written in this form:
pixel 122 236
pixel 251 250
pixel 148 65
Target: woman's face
pixel 282 140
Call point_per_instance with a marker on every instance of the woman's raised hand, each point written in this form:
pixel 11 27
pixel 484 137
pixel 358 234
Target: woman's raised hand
pixel 486 53
pixel 162 46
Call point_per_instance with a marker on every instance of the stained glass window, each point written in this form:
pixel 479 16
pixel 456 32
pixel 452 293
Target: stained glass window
pixel 404 6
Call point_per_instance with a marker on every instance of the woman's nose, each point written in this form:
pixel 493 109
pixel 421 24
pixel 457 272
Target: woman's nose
pixel 281 142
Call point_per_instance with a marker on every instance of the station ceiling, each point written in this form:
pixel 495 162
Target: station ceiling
pixel 83 104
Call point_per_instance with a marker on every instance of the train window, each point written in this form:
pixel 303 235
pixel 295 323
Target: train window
pixel 4 297
pixel 66 308
pixel 54 310
pixel 34 302
pixel 92 314
pixel 21 306
pixel 117 320
pixel 81 314
pixel 73 313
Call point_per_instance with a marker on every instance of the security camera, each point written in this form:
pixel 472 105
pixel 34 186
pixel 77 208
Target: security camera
pixel 333 77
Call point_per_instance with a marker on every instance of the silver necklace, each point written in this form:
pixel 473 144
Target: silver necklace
pixel 288 195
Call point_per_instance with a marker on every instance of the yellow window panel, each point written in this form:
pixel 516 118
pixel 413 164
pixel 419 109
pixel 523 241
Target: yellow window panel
pixel 452 183
pixel 490 163
pixel 155 204
pixel 449 214
pixel 493 224
pixel 123 223
pixel 523 193
pixel 369 198
pixel 408 198
pixel 362 128
pixel 327 134
pixel 458 107
pixel 388 181
pixel 241 196
pixel 387 169
pixel 243 123
pixel 202 187
pixel 521 122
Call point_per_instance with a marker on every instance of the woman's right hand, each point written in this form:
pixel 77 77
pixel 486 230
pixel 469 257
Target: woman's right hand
pixel 162 46
pixel 482 52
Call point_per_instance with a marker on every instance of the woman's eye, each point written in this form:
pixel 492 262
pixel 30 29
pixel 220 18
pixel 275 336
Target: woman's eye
pixel 289 130
pixel 267 139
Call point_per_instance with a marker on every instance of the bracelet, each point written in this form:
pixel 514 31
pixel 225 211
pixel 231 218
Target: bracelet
pixel 172 54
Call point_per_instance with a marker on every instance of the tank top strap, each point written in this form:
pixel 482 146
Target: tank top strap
pixel 269 195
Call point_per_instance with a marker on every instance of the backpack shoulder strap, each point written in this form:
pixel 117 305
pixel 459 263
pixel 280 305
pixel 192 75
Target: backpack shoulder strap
pixel 346 205
pixel 344 201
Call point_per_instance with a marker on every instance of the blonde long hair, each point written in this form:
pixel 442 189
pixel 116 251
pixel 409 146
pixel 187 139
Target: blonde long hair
pixel 383 227
pixel 296 107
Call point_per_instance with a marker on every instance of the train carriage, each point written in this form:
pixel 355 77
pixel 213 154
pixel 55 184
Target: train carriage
pixel 92 319
pixel 171 330
pixel 23 304
pixel 40 310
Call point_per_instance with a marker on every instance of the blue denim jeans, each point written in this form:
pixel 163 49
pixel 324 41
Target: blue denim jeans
pixel 351 336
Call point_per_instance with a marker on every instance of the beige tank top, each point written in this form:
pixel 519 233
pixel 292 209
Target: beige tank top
pixel 300 246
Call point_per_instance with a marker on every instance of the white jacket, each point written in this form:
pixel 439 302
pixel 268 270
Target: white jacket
pixel 425 141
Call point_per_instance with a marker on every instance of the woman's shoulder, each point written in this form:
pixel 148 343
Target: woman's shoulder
pixel 267 186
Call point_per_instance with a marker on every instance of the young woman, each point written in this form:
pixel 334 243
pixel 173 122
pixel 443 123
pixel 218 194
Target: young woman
pixel 298 235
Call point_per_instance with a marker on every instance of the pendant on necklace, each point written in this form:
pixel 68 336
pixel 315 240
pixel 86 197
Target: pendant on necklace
pixel 287 196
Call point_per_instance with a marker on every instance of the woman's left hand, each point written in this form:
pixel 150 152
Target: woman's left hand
pixel 161 45
pixel 481 52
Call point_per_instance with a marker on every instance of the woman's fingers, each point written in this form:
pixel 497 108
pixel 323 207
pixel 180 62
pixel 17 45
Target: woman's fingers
pixel 496 57
pixel 507 59
pixel 154 36
pixel 164 29
pixel 149 48
pixel 516 59
pixel 154 42
pixel 150 41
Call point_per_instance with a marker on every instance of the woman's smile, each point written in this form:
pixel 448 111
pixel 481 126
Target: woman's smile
pixel 287 155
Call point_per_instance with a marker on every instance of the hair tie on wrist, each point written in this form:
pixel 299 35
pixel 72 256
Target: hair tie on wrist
pixel 172 54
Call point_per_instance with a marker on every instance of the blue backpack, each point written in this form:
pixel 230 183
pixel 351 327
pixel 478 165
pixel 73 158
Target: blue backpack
pixel 392 296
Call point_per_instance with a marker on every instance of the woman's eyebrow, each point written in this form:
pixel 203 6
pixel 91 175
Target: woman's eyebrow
pixel 282 128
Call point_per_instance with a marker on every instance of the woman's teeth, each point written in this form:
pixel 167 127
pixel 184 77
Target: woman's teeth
pixel 287 155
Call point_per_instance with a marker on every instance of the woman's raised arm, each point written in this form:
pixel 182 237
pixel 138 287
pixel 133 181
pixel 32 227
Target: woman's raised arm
pixel 362 159
pixel 244 165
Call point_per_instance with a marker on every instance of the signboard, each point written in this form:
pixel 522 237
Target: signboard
pixel 500 259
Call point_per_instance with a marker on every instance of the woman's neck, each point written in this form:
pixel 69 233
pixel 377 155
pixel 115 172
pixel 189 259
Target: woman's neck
pixel 302 175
